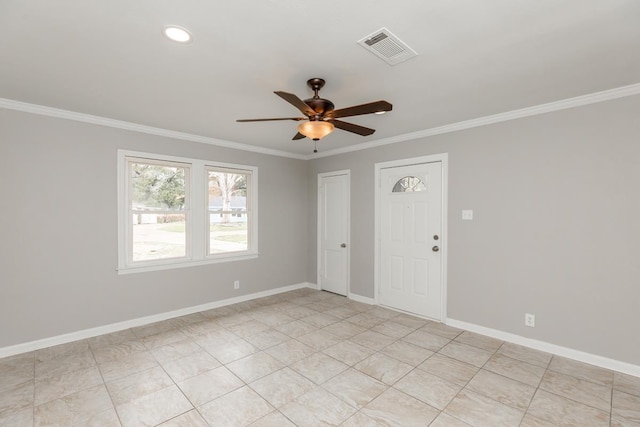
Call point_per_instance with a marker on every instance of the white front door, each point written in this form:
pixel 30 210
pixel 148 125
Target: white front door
pixel 410 209
pixel 333 232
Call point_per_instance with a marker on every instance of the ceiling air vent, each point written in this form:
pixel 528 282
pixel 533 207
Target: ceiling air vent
pixel 386 46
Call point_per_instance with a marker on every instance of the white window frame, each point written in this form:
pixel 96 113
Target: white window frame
pixel 197 228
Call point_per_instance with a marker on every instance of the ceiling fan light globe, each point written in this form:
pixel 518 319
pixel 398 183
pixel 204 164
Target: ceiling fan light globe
pixel 316 129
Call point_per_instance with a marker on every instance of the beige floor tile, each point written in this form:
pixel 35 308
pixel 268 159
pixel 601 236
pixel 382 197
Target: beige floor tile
pixel 188 419
pixel 238 408
pixel 395 408
pixel 344 330
pixel 480 341
pixel 626 406
pixel 51 388
pixel 449 369
pixel 268 338
pixel 233 319
pixel 581 370
pixel 626 383
pixel 282 386
pixel 392 329
pixel 428 388
pixel 592 394
pixel 441 329
pixel 560 411
pixel 343 312
pixel 321 320
pixel 290 351
pixel 65 364
pixel 354 387
pixel 152 329
pixel 108 418
pixel 319 367
pixel 255 366
pixel 300 312
pixel 502 389
pixel 163 338
pixel 112 338
pixel 348 352
pixel 16 370
pixel 408 353
pixel 426 340
pixel 205 387
pixel 410 321
pixel 317 407
pixel 480 411
pixel 318 340
pixel 188 319
pixel 365 320
pixel 126 389
pixel 127 365
pixel 383 368
pixel 466 353
pixel 359 419
pixel 295 329
pixel 233 350
pixel 248 328
pixel 215 339
pixel 74 409
pixel 615 422
pixel 16 398
pixel 273 419
pixel 515 369
pixel 383 313
pixel 446 420
pixel 176 350
pixel 195 330
pixel 111 352
pixel 62 350
pixel 373 340
pixel 525 354
pixel 154 408
pixel 22 417
pixel 190 366
pixel 274 319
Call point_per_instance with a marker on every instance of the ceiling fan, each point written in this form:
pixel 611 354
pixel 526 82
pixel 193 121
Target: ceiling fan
pixel 321 117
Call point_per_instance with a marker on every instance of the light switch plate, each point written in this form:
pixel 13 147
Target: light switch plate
pixel 467 214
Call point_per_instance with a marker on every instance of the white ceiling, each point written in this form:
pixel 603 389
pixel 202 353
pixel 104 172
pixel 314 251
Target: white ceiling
pixel 475 58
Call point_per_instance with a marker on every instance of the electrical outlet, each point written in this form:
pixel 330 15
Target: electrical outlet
pixel 530 320
pixel 236 284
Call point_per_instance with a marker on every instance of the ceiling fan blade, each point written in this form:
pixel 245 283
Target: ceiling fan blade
pixel 298 136
pixel 357 110
pixel 350 127
pixel 297 119
pixel 296 102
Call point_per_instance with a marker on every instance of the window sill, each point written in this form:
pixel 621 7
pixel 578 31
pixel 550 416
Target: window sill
pixel 184 264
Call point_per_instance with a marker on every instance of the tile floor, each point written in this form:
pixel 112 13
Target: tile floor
pixel 307 358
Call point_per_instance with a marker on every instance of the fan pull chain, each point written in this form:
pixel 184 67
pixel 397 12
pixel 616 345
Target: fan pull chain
pixel 315 146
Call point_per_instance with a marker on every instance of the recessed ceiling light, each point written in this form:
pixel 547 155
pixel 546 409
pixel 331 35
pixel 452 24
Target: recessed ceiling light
pixel 177 34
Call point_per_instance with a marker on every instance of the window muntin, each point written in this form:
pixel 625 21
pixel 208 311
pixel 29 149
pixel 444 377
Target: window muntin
pixel 409 184
pixel 175 199
pixel 228 210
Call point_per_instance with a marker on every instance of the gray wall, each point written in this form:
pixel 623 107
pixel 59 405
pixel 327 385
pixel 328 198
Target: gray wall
pixel 555 233
pixel 58 254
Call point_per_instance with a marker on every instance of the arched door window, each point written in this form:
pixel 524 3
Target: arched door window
pixel 409 184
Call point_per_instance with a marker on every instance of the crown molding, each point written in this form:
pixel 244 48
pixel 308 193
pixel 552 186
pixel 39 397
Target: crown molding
pixel 578 101
pixel 11 104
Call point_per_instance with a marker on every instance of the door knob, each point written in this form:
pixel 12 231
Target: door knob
pixel 435 249
pixel 344 245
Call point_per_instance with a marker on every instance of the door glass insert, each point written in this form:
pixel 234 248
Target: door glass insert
pixel 408 184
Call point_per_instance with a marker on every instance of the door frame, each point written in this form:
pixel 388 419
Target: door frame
pixel 442 158
pixel 322 175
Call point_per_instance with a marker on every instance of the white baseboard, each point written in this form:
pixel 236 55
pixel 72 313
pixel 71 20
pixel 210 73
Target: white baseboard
pixel 140 321
pixel 581 356
pixel 360 298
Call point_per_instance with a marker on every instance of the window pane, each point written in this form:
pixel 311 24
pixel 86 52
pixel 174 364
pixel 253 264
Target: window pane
pixel 158 236
pixel 156 187
pixel 408 184
pixel 228 232
pixel 227 192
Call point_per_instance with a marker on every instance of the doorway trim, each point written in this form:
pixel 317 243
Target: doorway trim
pixel 346 172
pixel 443 158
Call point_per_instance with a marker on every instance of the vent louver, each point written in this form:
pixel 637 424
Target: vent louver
pixel 386 46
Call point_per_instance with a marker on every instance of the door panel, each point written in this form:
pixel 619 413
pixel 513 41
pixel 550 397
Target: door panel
pixel 333 232
pixel 410 216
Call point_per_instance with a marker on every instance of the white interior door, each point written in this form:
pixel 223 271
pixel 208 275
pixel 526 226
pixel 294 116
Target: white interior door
pixel 410 209
pixel 333 232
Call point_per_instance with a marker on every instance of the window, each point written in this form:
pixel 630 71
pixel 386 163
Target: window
pixel 177 212
pixel 409 184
